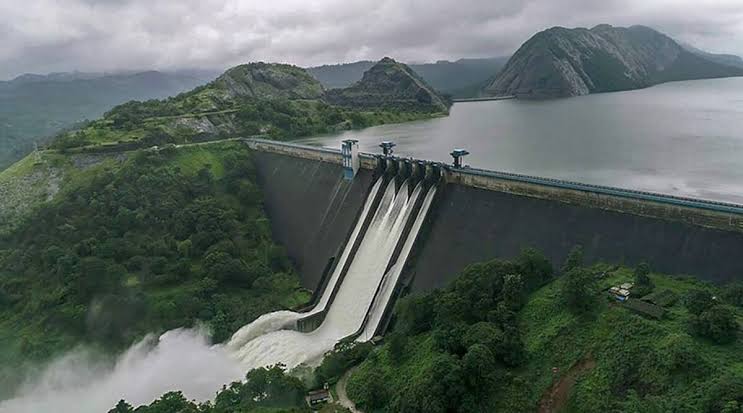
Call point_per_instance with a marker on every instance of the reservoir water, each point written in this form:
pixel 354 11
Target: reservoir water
pixel 682 138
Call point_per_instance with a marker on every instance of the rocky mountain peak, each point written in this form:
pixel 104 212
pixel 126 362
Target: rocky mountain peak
pixel 561 62
pixel 390 84
pixel 269 80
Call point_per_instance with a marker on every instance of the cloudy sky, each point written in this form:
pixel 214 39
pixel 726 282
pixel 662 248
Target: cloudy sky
pixel 41 36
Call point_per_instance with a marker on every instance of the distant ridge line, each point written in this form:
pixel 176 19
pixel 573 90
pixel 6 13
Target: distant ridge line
pixel 484 99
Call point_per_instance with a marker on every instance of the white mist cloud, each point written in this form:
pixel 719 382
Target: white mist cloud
pixel 84 382
pixel 49 35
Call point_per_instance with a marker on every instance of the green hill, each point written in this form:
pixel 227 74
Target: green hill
pixel 494 340
pixel 280 101
pixel 33 107
pixel 392 86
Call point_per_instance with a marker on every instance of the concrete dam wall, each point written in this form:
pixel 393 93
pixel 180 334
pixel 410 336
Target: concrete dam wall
pixel 480 215
pixel 311 207
pixel 472 224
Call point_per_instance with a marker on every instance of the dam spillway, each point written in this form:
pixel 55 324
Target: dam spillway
pixel 358 287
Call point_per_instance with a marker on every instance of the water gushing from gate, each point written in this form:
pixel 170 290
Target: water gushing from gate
pixel 369 265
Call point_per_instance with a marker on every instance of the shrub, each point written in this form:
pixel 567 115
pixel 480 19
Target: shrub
pixel 716 323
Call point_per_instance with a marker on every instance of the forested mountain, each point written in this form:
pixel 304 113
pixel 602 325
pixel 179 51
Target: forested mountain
pixel 277 100
pixel 389 85
pixel 460 78
pixel 35 107
pixel 563 62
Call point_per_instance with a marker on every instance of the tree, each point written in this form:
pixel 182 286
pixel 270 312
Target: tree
pixel 396 345
pixel 171 402
pixel 184 248
pixel 122 407
pixel 480 373
pixel 643 284
pixel 344 356
pixel 270 387
pixel 415 314
pixel 448 337
pixel 697 301
pixel 578 290
pixel 733 294
pixel 717 323
pixel 372 393
pixel 438 390
pixel 573 260
pixel 512 352
pixel 486 334
pixel 535 268
pixel 514 293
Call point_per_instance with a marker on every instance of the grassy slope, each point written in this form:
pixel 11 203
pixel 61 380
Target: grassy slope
pixel 554 337
pixel 622 343
pixel 33 111
pixel 39 178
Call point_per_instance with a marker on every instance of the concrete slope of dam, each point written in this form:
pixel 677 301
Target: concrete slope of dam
pixel 472 225
pixel 311 207
pixel 368 259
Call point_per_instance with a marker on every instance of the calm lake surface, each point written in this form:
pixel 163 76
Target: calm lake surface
pixel 683 138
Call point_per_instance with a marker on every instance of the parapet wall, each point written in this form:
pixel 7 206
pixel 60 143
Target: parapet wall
pixel 482 215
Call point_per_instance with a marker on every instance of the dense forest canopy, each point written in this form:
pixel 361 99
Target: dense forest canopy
pixel 162 242
pixel 507 336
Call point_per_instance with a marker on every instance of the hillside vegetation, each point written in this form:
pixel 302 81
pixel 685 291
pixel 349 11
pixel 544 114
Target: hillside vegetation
pixel 34 108
pixel 273 100
pixel 392 86
pixel 506 336
pixel 144 244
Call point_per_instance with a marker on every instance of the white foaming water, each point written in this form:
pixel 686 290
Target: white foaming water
pixel 183 359
pixel 390 280
pixel 353 299
pixel 79 382
pixel 347 250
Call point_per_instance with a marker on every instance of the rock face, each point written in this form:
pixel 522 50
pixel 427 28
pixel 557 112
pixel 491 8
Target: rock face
pixel 269 81
pixel 562 62
pixel 390 85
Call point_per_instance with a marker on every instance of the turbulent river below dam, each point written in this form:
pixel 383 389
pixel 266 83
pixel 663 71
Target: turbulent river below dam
pixel 681 138
pixel 184 360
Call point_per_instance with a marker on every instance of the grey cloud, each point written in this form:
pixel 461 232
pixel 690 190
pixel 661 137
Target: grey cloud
pixel 94 35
